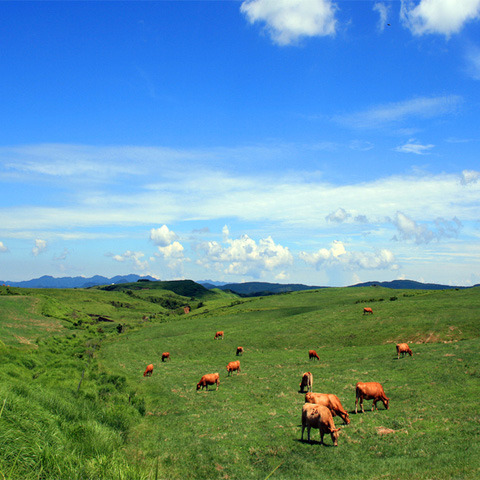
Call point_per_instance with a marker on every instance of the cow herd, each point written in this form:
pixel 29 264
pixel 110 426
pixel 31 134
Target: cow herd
pixel 319 408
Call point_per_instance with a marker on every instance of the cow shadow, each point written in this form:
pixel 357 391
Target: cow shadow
pixel 314 442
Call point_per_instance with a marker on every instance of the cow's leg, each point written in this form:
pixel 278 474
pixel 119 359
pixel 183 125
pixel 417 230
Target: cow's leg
pixel 321 436
pixel 374 404
pixel 361 404
pixel 356 404
pixel 308 432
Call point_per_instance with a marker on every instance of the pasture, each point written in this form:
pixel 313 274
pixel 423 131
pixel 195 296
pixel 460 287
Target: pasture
pixel 162 428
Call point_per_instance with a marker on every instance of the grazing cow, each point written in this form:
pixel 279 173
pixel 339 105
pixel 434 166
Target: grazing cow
pixel 318 416
pixel 307 382
pixel 165 356
pixel 239 351
pixel 148 371
pixel 209 379
pixel 367 310
pixel 331 401
pixel 370 391
pixel 218 335
pixel 313 354
pixel 232 366
pixel 403 348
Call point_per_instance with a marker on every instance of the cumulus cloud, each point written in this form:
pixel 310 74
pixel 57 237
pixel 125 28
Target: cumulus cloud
pixel 444 17
pixel 40 246
pixel 134 257
pixel 382 10
pixel 469 176
pixel 172 251
pixel 289 20
pixel 409 229
pixel 244 256
pixel 339 216
pixel 337 256
pixel 3 248
pixel 162 236
pixel 414 147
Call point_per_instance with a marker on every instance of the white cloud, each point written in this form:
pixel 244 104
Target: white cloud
pixel 338 216
pixel 409 229
pixel 289 20
pixel 472 58
pixel 244 256
pixel 422 107
pixel 413 147
pixel 134 257
pixel 444 17
pixel 40 246
pixel 383 11
pixel 337 256
pixel 162 236
pixel 469 176
pixel 3 248
pixel 174 250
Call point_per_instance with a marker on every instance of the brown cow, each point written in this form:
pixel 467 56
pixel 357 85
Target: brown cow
pixel 148 371
pixel 313 354
pixel 239 351
pixel 367 310
pixel 209 379
pixel 307 382
pixel 331 401
pixel 232 366
pixel 370 391
pixel 318 416
pixel 165 356
pixel 403 348
pixel 218 335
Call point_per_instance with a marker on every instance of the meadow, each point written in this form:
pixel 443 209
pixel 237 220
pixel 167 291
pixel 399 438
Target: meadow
pixel 74 402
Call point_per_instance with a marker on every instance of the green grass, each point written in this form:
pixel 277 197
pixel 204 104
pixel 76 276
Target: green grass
pixel 123 425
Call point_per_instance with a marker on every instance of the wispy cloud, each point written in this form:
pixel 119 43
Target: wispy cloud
pixel 3 248
pixel 444 17
pixel 383 11
pixel 472 58
pixel 412 146
pixel 421 107
pixel 287 21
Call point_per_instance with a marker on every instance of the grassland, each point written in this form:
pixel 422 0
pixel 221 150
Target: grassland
pixel 118 424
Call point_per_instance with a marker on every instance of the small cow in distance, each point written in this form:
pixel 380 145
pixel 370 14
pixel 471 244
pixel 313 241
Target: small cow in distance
pixel 218 335
pixel 148 371
pixel 307 382
pixel 232 367
pixel 331 401
pixel 370 391
pixel 367 310
pixel 403 348
pixel 239 351
pixel 318 416
pixel 165 356
pixel 209 379
pixel 313 354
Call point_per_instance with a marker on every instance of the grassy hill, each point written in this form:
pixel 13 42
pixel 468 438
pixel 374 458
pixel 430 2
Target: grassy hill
pixel 92 414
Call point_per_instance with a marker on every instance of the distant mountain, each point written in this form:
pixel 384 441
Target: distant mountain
pixel 263 288
pixel 407 285
pixel 75 282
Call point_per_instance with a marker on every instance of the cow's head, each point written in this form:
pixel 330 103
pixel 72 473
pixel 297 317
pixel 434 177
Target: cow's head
pixel 386 402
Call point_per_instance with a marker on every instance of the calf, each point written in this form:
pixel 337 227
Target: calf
pixel 209 379
pixel 165 356
pixel 218 335
pixel 239 351
pixel 148 371
pixel 331 401
pixel 233 366
pixel 403 348
pixel 313 354
pixel 370 391
pixel 367 310
pixel 307 382
pixel 318 416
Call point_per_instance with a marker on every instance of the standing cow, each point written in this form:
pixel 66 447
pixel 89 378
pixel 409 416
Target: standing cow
pixel 331 401
pixel 307 382
pixel 165 356
pixel 209 379
pixel 239 351
pixel 313 354
pixel 318 416
pixel 148 371
pixel 403 348
pixel 367 310
pixel 218 335
pixel 232 367
pixel 370 391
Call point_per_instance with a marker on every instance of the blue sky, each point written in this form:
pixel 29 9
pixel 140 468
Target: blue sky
pixel 315 141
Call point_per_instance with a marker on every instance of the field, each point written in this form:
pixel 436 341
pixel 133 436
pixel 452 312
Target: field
pixel 74 402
